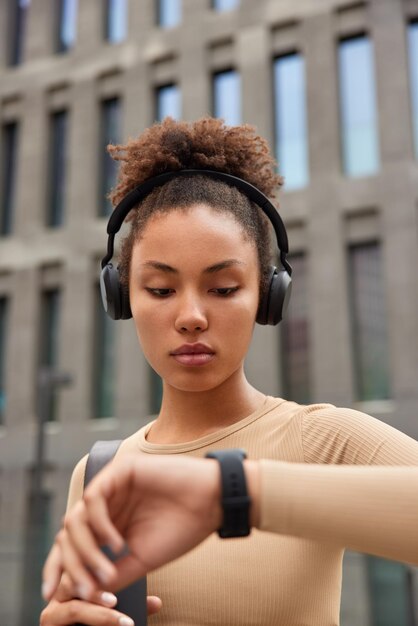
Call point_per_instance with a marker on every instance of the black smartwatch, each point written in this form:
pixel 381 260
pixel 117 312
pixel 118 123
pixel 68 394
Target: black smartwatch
pixel 235 499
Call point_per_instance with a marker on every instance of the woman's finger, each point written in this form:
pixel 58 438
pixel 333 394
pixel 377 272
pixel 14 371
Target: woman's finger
pixel 154 604
pixel 85 548
pixel 51 573
pixel 83 582
pixel 78 611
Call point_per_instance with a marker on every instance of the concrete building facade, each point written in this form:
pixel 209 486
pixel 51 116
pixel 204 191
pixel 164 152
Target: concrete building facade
pixel 331 215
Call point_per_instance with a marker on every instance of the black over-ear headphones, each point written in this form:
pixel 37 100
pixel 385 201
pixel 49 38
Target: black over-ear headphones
pixel 274 301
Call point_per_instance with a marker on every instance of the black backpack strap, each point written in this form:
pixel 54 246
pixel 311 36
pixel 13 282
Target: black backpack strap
pixel 101 453
pixel 133 599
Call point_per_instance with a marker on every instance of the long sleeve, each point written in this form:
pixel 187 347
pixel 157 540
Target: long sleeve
pixel 336 497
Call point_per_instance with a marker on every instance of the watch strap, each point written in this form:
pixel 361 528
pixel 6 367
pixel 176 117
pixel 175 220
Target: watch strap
pixel 235 499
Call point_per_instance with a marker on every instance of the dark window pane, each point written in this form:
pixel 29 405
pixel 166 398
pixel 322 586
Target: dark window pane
pixel 358 107
pixel 18 18
pixel 388 583
pixel 8 176
pixel 168 13
pixel 167 102
pixel 104 365
pixel 156 395
pixel 371 355
pixel 224 5
pixel 116 20
pixel 49 339
pixel 3 334
pixel 67 24
pixel 57 168
pixel 295 336
pixel 227 97
pixel 413 72
pixel 290 120
pixel 110 132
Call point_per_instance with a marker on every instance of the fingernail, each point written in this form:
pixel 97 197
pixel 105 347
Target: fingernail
pixel 126 621
pixel 83 592
pixel 46 590
pixel 108 598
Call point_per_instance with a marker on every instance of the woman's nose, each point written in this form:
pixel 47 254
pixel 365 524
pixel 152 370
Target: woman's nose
pixel 191 316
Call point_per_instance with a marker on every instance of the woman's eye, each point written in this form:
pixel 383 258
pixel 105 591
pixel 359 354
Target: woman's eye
pixel 160 293
pixel 225 291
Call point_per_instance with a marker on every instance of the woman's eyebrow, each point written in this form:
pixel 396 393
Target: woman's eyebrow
pixel 163 267
pixel 223 265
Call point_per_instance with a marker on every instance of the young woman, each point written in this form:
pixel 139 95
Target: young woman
pixel 195 274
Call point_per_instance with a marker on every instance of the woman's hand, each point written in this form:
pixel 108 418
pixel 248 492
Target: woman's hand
pixel 160 506
pixel 65 609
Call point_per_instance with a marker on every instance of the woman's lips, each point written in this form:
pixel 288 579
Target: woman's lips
pixel 193 354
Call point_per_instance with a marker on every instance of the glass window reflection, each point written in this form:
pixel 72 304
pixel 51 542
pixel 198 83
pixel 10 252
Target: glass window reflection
pixel 227 97
pixel 168 102
pixel 413 73
pixel 116 20
pixel 360 151
pixel 168 13
pixel 290 120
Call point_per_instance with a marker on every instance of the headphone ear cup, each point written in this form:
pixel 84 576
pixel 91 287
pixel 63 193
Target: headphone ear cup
pixel 115 297
pixel 126 312
pixel 274 302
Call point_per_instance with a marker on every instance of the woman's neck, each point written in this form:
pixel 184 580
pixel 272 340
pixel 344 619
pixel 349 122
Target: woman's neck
pixel 186 416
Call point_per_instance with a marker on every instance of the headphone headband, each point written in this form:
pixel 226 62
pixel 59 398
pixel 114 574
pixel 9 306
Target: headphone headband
pixel 137 194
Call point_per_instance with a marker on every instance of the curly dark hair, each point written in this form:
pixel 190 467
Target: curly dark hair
pixel 204 144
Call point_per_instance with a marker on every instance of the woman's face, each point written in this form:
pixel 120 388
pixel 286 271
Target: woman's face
pixel 194 288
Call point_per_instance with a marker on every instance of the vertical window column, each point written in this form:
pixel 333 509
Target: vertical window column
pixel 295 336
pixel 66 25
pixel 360 150
pixel 104 365
pixel 4 306
pixel 18 18
pixel 226 89
pixel 290 120
pixel 110 132
pixel 167 102
pixel 49 339
pixel 168 13
pixel 413 73
pixel 58 132
pixel 8 166
pixel 116 20
pixel 369 326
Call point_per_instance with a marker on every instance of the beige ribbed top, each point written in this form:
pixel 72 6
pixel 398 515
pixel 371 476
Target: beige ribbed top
pixel 313 506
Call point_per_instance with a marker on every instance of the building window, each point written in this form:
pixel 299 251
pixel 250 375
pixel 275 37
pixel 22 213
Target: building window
pixel 66 24
pixel 116 20
pixel 4 305
pixel 391 597
pixel 8 176
pixel 413 73
pixel 49 339
pixel 295 336
pixel 167 102
pixel 104 365
pixel 18 18
pixel 227 97
pixel 360 150
pixel 224 5
pixel 168 13
pixel 58 130
pixel 290 120
pixel 110 132
pixel 369 327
